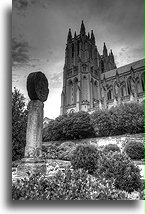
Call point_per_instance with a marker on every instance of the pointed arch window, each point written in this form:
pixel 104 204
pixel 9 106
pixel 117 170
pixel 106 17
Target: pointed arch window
pixel 129 85
pixel 78 48
pixel 72 50
pixel 110 95
pixel 102 66
pixel 142 82
pixel 123 90
pixel 75 89
pixel 138 88
pixel 91 51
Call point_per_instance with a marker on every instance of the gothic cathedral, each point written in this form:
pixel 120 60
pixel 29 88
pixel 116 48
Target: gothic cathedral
pixel 92 81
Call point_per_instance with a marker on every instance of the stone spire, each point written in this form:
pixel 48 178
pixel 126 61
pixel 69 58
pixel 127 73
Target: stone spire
pixel 69 37
pixel 92 37
pixel 82 31
pixel 88 35
pixel 105 54
pixel 112 56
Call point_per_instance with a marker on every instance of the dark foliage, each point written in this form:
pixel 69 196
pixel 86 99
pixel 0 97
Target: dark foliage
pixel 68 127
pixel 135 150
pixel 19 124
pixel 86 157
pixel 68 184
pixel 122 169
pixel 126 118
pixel 111 147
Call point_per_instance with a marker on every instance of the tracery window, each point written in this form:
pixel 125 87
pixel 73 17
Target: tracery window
pixel 72 50
pixel 129 86
pixel 109 95
pixel 142 81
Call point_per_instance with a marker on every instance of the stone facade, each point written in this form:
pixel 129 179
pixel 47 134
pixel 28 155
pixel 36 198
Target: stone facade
pixel 92 81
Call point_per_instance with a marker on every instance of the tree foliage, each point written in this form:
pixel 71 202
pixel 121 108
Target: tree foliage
pixel 122 119
pixel 19 123
pixel 70 126
pixel 135 150
pixel 86 157
pixel 119 166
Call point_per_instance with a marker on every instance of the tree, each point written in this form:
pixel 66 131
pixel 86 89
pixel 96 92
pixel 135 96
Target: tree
pixel 19 124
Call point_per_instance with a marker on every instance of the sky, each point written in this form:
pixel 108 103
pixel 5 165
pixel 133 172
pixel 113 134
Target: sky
pixel 39 35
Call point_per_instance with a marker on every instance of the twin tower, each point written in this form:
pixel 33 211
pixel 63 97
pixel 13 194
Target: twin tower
pixel 82 72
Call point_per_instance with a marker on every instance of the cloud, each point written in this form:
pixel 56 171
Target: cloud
pixel 20 51
pixel 20 4
pixel 44 25
pixel 56 80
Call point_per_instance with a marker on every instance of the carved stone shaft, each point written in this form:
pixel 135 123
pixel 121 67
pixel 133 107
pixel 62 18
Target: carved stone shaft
pixel 34 129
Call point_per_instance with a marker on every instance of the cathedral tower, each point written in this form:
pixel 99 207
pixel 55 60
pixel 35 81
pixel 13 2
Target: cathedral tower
pixel 82 70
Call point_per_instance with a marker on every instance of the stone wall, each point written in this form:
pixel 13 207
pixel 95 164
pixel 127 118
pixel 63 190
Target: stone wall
pixel 120 140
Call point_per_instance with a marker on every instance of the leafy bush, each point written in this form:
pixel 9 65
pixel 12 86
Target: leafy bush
pixel 135 150
pixel 111 147
pixel 50 151
pixel 19 124
pixel 122 169
pixel 86 157
pixel 128 118
pixel 101 122
pixel 65 150
pixel 122 119
pixel 66 185
pixel 68 127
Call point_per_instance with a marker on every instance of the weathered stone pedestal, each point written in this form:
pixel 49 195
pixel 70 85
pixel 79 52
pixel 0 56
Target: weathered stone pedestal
pixel 33 161
pixel 31 165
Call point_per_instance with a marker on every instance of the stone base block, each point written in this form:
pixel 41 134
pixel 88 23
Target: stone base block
pixel 32 166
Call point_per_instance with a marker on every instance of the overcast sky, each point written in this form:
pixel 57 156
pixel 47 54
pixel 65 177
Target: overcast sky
pixel 39 34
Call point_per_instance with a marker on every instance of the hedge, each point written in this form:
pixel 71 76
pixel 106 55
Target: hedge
pixel 124 119
pixel 67 127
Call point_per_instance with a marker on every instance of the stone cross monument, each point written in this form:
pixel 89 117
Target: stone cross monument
pixel 37 87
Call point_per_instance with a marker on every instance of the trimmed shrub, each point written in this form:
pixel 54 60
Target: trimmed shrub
pixel 69 127
pixel 66 185
pixel 86 157
pixel 122 169
pixel 135 150
pixel 111 147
